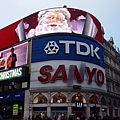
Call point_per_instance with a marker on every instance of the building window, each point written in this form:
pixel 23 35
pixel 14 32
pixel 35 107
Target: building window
pixel 78 96
pixel 59 98
pixel 110 72
pixel 115 103
pixel 103 101
pixel 108 86
pixel 40 99
pixel 109 102
pixel 119 103
pixel 93 99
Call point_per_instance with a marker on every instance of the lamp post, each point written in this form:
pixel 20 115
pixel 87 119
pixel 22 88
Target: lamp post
pixel 12 87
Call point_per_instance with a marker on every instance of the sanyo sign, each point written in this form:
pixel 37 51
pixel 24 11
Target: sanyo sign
pixel 61 74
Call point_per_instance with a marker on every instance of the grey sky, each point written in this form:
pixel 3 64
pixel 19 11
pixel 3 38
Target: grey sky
pixel 106 11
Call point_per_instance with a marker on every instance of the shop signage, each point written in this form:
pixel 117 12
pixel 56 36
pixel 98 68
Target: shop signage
pixel 79 104
pixel 15 109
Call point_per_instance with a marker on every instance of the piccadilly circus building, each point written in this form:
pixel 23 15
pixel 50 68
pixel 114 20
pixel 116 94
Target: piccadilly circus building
pixel 63 67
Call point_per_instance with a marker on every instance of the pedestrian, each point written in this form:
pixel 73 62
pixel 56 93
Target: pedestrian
pixel 0 117
pixel 91 117
pixel 33 117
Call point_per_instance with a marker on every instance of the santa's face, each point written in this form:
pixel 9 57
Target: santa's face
pixel 52 21
pixel 53 18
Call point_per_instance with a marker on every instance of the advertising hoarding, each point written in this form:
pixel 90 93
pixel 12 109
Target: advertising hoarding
pixel 9 35
pixel 68 20
pixel 62 60
pixel 13 57
pixel 67 47
pixel 64 74
pixel 13 73
pixel 62 20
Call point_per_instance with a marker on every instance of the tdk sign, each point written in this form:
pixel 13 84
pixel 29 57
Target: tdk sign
pixel 52 48
pixel 67 47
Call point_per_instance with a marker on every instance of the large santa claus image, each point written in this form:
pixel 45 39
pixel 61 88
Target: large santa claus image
pixel 51 20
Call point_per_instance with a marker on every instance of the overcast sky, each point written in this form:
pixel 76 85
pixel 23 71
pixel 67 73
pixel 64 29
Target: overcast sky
pixel 106 11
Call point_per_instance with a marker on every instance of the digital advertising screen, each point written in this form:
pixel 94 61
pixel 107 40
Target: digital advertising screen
pixel 67 20
pixel 62 60
pixel 54 20
pixel 9 35
pixel 14 56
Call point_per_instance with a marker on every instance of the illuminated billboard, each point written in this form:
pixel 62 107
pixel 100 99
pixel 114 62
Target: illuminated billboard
pixel 54 20
pixel 10 36
pixel 62 60
pixel 62 20
pixel 14 56
pixel 67 46
pixel 12 73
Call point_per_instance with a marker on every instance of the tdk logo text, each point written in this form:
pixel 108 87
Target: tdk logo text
pixel 81 48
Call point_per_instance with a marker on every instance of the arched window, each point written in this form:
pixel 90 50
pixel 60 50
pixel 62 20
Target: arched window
pixel 59 98
pixel 119 103
pixel 115 103
pixel 93 99
pixel 78 97
pixel 109 102
pixel 103 101
pixel 40 99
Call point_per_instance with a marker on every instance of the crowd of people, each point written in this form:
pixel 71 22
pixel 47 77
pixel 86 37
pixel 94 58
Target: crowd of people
pixel 92 117
pixel 62 117
pixel 98 117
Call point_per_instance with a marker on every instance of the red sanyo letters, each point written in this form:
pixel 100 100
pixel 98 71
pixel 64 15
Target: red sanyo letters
pixel 60 74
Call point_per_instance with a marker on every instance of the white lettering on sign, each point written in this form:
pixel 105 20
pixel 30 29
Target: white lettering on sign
pixel 79 104
pixel 11 73
pixel 67 45
pixel 90 49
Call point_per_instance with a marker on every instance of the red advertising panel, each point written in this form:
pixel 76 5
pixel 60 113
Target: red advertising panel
pixel 54 20
pixel 14 56
pixel 10 35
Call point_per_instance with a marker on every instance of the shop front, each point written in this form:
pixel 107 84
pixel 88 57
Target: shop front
pixel 78 113
pixel 12 92
pixel 12 105
pixel 104 111
pixel 39 111
pixel 59 112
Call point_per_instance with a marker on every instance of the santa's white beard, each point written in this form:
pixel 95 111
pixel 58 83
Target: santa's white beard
pixel 44 29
